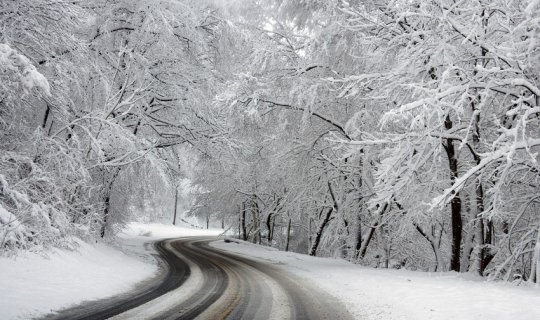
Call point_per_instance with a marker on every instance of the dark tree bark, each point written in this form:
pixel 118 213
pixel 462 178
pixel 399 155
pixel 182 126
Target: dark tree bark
pixel 365 242
pixel 270 226
pixel 270 221
pixel 288 235
pixel 358 237
pixel 484 226
pixel 175 205
pixel 324 223
pixel 358 222
pixel 243 221
pixel 255 213
pixel 433 244
pixel 317 240
pixel 46 116
pixel 455 204
pixel 107 201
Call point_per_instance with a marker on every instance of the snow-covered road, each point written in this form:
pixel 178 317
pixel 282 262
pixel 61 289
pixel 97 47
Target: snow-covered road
pixel 207 283
pixel 198 281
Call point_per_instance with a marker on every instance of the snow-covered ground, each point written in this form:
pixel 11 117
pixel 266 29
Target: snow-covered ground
pixel 399 294
pixel 32 285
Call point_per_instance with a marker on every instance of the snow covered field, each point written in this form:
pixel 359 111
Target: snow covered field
pixel 33 285
pixel 399 294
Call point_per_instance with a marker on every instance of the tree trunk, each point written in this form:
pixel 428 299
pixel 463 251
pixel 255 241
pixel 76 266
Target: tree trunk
pixel 439 263
pixel 358 220
pixel 316 241
pixel 309 233
pixel 386 244
pixel 256 220
pixel 106 209
pixel 371 232
pixel 486 230
pixel 243 222
pixel 50 128
pixel 455 204
pixel 46 116
pixel 484 233
pixel 288 235
pixel 273 227
pixel 271 220
pixel 535 266
pixel 175 205
pixel 240 226
pixel 270 227
pixel 345 248
pixel 469 238
pixel 107 201
pixel 358 237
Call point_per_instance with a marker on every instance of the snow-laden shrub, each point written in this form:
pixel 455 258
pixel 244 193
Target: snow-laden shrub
pixel 12 232
pixel 33 209
pixel 44 198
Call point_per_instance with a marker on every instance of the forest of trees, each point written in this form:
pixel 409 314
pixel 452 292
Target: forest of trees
pixel 391 133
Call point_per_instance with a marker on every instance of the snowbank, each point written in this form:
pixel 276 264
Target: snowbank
pixel 399 294
pixel 33 285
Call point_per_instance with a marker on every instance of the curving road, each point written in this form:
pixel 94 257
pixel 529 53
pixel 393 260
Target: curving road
pixel 202 282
